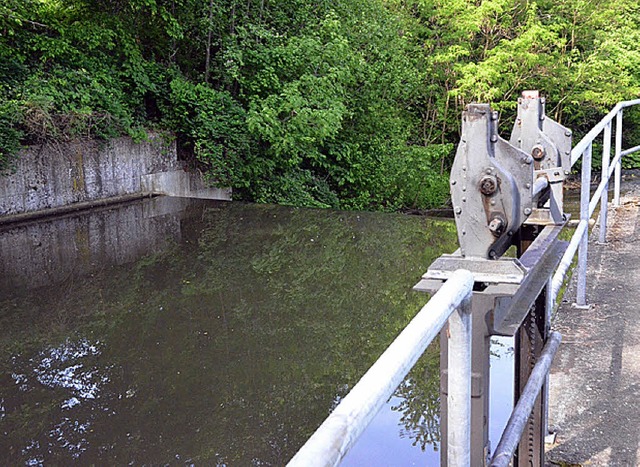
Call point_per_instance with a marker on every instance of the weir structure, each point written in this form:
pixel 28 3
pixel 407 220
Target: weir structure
pixel 503 280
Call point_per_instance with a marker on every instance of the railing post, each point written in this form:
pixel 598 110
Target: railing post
pixel 459 398
pixel 479 361
pixel 618 171
pixel 585 196
pixel 604 198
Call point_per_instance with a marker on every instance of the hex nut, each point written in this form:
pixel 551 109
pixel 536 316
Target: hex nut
pixel 497 226
pixel 538 152
pixel 488 185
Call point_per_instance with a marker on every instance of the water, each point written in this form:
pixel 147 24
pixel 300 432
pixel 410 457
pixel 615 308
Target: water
pixel 173 331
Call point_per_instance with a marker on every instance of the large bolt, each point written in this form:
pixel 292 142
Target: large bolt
pixel 497 226
pixel 488 185
pixel 537 152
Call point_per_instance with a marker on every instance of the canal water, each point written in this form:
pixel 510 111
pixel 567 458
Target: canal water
pixel 191 332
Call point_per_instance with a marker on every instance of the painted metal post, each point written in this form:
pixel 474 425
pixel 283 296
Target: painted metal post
pixel 459 398
pixel 604 198
pixel 618 171
pixel 585 196
pixel 480 357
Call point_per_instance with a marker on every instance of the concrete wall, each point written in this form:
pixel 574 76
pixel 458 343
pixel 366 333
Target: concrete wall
pixel 57 175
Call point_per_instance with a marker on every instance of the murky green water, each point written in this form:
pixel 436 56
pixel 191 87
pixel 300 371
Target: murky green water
pixel 177 332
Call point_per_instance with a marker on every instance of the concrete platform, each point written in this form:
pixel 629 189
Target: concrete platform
pixel 595 380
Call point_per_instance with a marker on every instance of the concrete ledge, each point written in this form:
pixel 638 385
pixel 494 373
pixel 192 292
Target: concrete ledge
pixel 184 184
pixel 71 208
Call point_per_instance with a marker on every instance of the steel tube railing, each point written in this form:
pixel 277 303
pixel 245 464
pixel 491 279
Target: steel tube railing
pixel 518 420
pixel 618 165
pixel 580 237
pixel 604 182
pixel 626 152
pixel 539 185
pixel 567 258
pixel 337 434
pixel 585 192
pixel 579 148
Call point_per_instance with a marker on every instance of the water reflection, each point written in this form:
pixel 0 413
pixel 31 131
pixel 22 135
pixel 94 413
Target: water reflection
pixel 69 376
pixel 224 335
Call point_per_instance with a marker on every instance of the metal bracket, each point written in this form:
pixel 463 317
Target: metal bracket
pixel 513 283
pixel 502 174
pixel 503 270
pixel 549 143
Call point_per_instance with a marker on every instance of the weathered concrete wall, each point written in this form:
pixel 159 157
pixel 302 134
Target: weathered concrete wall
pixel 53 176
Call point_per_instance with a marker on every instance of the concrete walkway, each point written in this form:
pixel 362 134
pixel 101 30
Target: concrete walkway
pixel 595 380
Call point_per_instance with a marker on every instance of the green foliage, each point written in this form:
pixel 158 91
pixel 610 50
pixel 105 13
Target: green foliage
pixel 347 104
pixel 213 122
pixel 10 136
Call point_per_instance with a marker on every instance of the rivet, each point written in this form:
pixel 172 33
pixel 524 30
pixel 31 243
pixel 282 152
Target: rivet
pixel 567 133
pixel 458 210
pixel 494 138
pixel 493 202
pixel 527 211
pixel 464 200
pixel 453 182
pixel 527 185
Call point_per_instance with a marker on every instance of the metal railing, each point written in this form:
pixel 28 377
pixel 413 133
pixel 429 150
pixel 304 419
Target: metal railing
pixel 341 429
pixel 452 305
pixel 579 240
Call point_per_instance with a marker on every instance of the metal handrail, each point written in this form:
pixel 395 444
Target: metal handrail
pixel 589 203
pixel 579 148
pixel 337 434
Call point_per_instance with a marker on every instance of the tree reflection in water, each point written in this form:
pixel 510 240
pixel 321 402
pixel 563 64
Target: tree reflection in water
pixel 420 402
pixel 228 344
